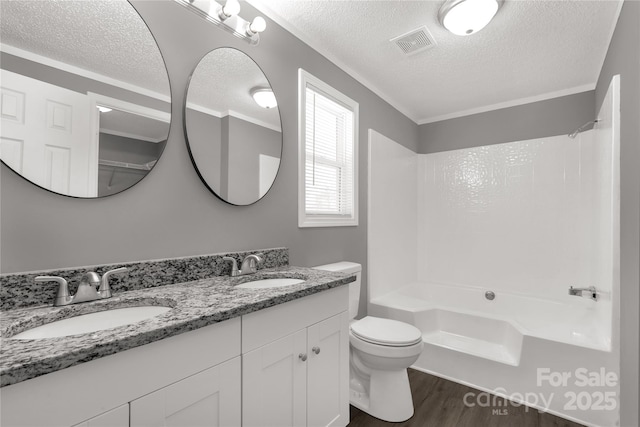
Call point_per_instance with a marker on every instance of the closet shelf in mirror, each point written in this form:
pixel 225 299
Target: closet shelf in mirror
pixel 138 166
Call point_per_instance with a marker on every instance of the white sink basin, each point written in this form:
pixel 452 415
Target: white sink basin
pixel 92 322
pixel 269 283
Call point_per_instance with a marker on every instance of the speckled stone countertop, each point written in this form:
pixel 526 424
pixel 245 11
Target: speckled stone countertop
pixel 194 304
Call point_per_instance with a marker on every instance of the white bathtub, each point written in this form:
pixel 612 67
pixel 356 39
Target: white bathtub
pixel 447 314
pixel 505 345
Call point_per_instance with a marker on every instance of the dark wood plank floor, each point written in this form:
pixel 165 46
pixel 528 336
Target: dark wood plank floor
pixel 440 403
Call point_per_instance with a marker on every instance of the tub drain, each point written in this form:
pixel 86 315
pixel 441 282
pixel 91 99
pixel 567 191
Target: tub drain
pixel 489 295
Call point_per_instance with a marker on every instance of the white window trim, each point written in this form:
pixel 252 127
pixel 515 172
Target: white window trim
pixel 307 220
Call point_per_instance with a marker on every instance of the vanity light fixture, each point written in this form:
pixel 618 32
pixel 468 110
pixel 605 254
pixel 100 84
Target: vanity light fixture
pixel 230 8
pixel 264 97
pixel 226 17
pixel 466 17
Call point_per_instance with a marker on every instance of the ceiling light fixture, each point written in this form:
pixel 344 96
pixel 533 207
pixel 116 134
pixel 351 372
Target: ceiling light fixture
pixel 466 17
pixel 264 97
pixel 227 18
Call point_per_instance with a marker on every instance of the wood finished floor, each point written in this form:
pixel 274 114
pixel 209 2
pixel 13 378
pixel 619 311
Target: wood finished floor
pixel 439 403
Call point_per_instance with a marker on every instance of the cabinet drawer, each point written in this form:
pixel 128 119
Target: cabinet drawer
pixel 265 326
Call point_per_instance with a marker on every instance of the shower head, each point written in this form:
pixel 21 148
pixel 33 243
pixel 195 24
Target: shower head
pixel 581 128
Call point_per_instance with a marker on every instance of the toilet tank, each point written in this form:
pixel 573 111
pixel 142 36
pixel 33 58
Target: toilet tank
pixel 354 287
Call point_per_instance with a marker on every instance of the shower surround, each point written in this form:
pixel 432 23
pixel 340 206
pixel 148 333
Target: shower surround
pixel 524 220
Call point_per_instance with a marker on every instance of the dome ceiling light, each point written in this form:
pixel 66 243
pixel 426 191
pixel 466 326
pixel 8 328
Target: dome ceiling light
pixel 466 17
pixel 264 97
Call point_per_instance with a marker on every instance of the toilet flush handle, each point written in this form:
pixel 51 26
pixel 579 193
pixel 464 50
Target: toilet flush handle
pixel 316 350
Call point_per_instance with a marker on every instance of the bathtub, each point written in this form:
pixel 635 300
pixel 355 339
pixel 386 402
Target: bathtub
pixel 509 346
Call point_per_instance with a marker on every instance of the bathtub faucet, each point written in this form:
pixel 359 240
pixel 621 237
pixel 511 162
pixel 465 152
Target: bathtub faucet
pixel 592 292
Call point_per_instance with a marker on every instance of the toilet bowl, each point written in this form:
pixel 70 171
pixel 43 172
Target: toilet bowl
pixel 380 351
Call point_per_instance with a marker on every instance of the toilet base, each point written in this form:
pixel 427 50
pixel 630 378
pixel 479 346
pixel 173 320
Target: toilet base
pixel 388 397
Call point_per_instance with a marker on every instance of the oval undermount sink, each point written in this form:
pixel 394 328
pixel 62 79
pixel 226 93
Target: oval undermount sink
pixel 92 322
pixel 270 283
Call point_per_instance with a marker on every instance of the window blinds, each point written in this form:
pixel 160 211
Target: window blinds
pixel 329 171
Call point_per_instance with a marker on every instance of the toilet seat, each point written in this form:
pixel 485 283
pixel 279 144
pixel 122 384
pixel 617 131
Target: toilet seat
pixel 386 332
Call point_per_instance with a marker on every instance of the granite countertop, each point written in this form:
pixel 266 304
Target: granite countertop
pixel 194 305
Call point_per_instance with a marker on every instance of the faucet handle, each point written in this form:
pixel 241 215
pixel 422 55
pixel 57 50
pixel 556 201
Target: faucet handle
pixel 62 296
pixel 234 265
pixel 105 289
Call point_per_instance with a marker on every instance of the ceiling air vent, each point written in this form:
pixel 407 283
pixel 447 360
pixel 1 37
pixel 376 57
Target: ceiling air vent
pixel 415 41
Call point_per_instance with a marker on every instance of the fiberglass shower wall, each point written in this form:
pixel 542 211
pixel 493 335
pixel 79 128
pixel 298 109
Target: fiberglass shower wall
pixel 529 218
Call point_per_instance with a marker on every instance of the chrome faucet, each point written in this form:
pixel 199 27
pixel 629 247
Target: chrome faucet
pixel 592 292
pixel 86 289
pixel 249 264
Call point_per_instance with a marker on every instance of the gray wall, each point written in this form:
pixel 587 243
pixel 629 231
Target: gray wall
pixel 205 144
pixel 170 212
pixel 529 121
pixel 241 142
pixel 246 142
pixel 623 58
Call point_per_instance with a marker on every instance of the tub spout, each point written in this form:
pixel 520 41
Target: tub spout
pixel 591 290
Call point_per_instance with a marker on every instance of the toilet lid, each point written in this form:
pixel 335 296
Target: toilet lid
pixel 386 332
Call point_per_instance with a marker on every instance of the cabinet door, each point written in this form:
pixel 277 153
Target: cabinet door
pixel 328 372
pixel 274 383
pixel 118 417
pixel 209 398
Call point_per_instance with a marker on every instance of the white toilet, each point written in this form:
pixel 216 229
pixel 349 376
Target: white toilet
pixel 381 350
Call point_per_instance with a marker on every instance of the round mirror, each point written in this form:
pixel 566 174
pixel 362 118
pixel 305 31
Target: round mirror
pixel 232 126
pixel 86 101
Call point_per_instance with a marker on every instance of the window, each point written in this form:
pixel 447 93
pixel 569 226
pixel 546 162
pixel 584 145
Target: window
pixel 328 155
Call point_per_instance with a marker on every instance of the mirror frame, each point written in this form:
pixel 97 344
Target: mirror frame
pixel 186 133
pixel 166 142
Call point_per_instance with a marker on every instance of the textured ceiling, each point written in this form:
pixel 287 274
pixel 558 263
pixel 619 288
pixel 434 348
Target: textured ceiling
pixel 223 81
pixel 533 49
pixel 104 37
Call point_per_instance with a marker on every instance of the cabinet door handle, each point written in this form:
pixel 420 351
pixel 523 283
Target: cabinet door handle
pixel 316 350
pixel 303 357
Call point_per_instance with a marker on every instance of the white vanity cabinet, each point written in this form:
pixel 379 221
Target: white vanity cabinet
pixel 209 398
pixel 296 363
pixel 244 371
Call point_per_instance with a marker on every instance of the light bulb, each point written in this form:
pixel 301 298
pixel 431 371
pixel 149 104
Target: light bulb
pixel 230 8
pixel 258 25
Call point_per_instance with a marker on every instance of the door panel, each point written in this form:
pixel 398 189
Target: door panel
pixel 53 126
pixel 275 382
pixel 210 398
pixel 328 372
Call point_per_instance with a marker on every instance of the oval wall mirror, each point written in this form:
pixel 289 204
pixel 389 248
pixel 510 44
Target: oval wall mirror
pixel 232 126
pixel 86 102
